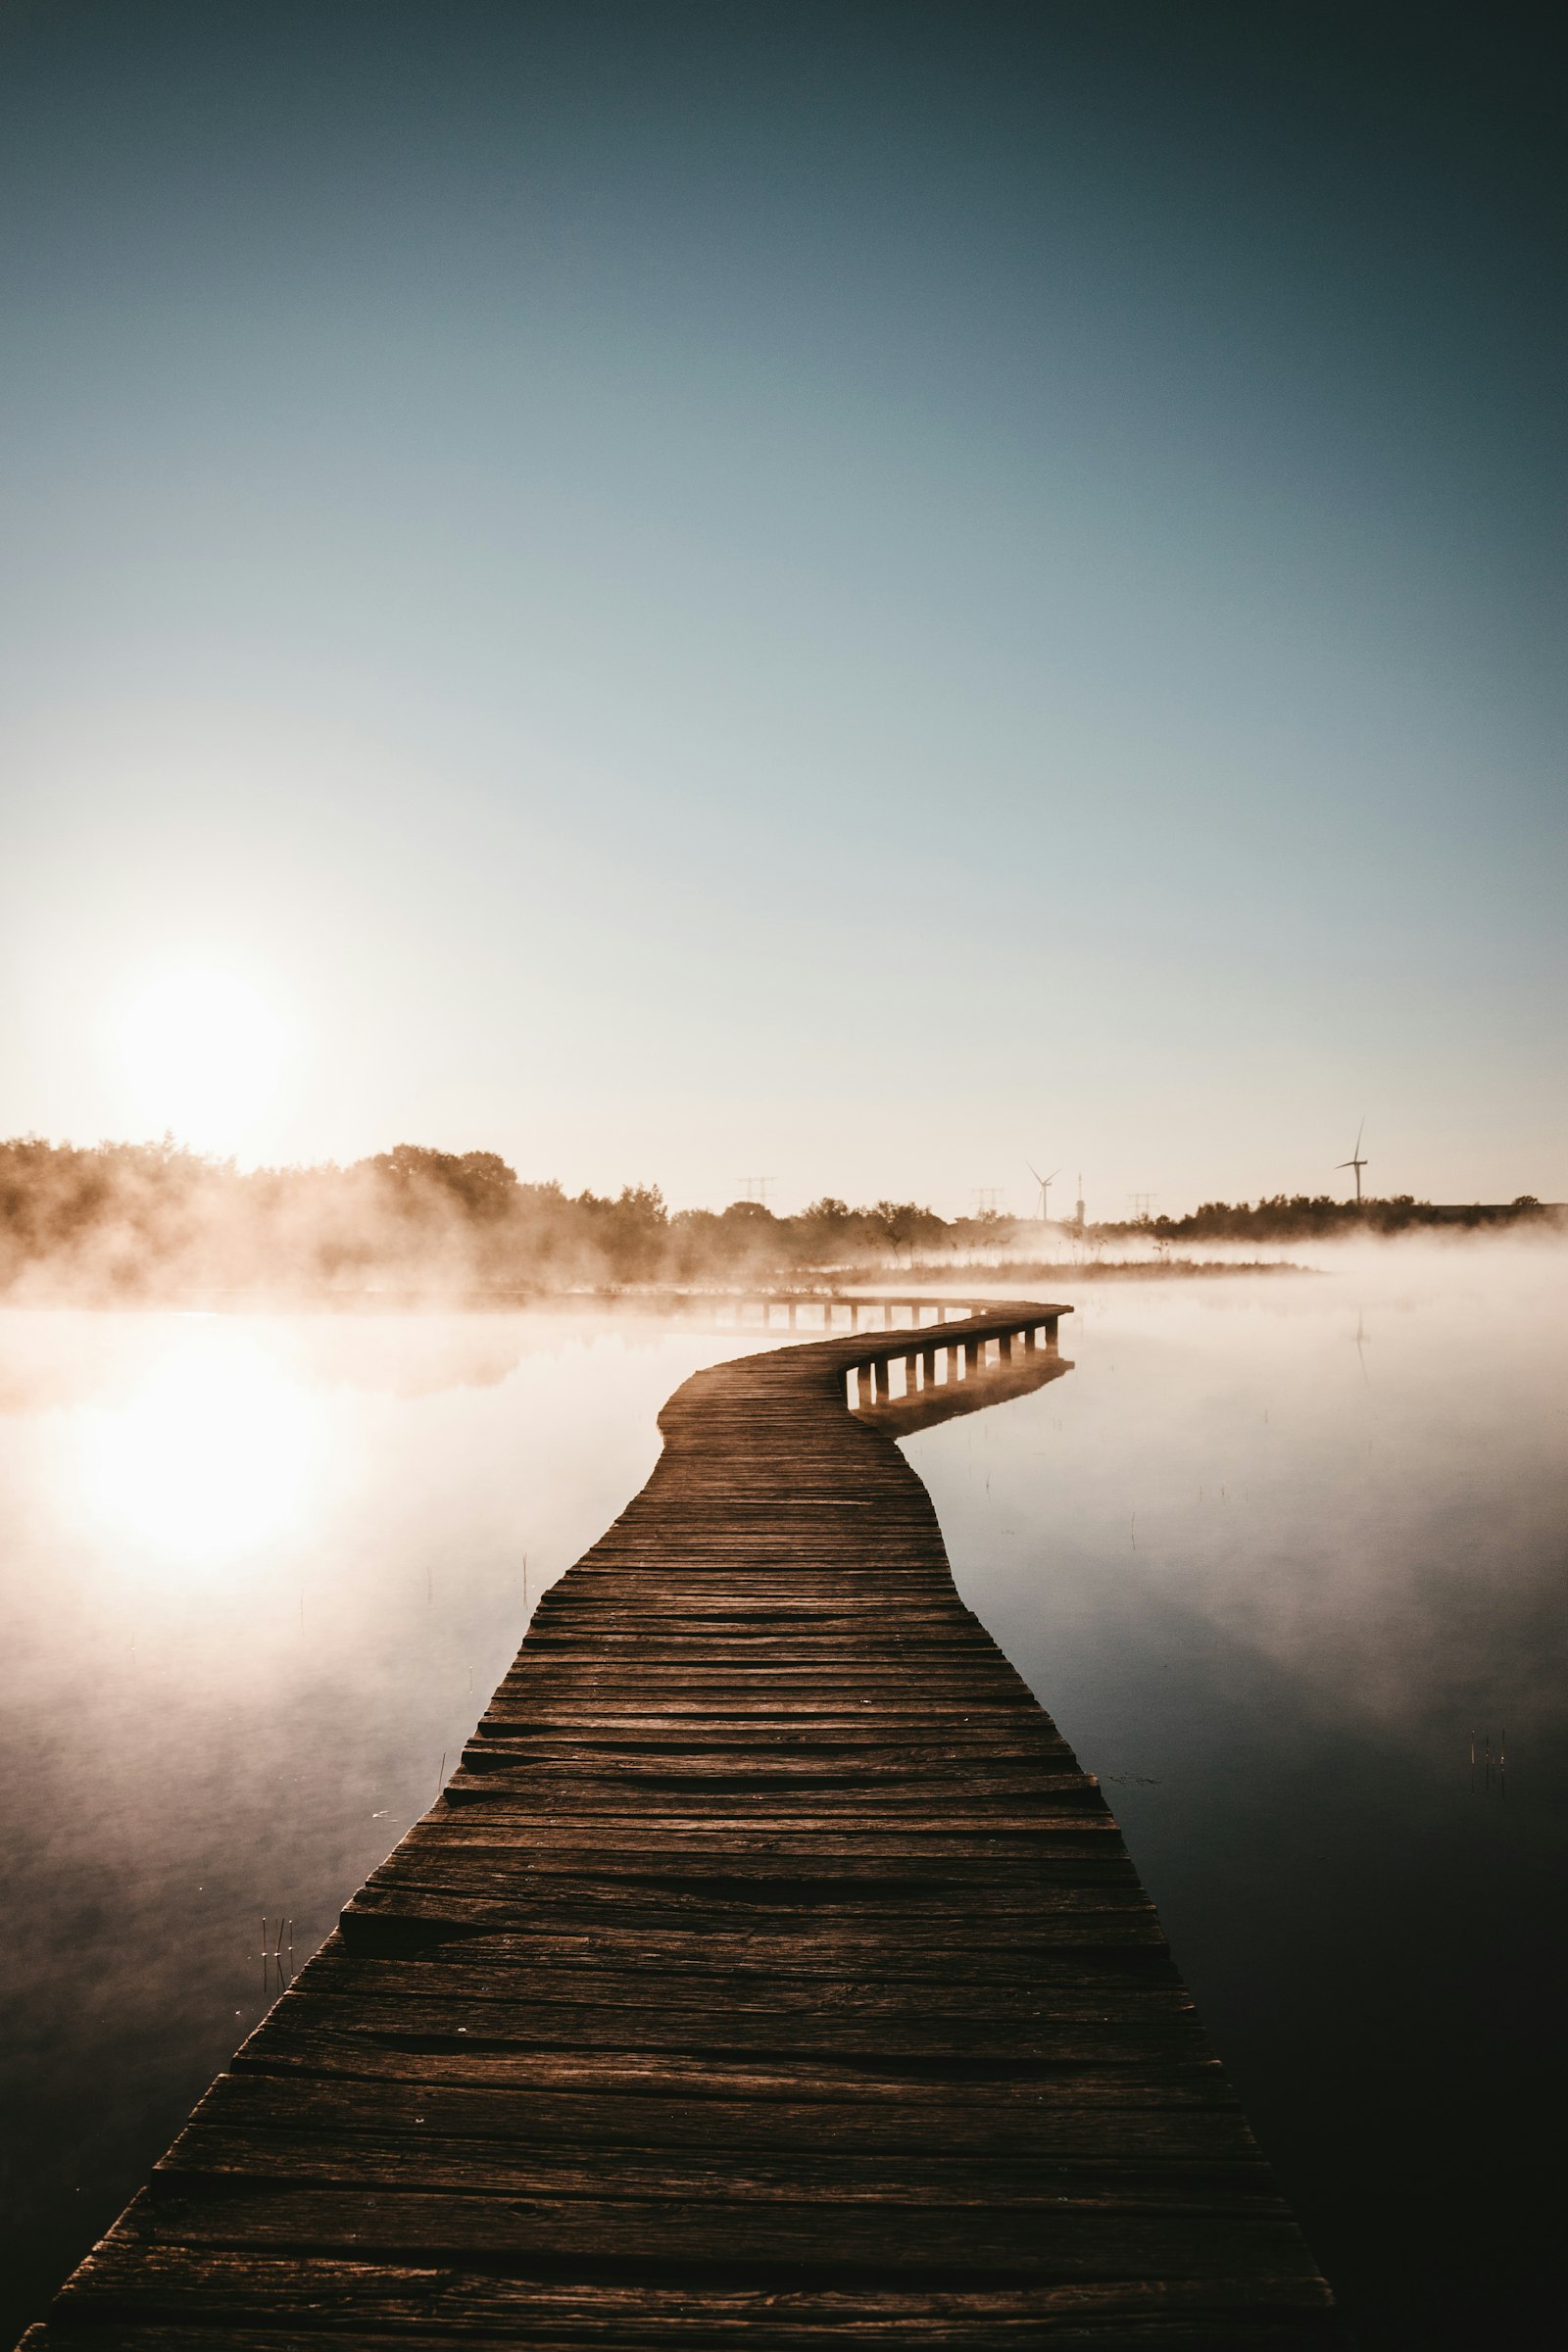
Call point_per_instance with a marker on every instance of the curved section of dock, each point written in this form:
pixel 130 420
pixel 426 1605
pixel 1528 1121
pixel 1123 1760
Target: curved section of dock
pixel 769 1974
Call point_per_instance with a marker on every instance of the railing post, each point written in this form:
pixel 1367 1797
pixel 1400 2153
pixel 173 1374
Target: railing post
pixel 862 1383
pixel 1052 1322
pixel 884 1380
pixel 1029 1346
pixel 971 1358
pixel 928 1366
pixel 1004 1346
pixel 912 1376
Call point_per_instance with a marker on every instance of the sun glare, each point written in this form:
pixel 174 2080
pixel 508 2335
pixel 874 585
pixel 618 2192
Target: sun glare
pixel 202 1052
pixel 215 1457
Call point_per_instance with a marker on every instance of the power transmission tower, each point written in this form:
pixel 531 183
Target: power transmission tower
pixel 1142 1204
pixel 986 1196
pixel 755 1187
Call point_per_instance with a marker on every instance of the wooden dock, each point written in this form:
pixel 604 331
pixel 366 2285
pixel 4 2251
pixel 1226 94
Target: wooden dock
pixel 769 1974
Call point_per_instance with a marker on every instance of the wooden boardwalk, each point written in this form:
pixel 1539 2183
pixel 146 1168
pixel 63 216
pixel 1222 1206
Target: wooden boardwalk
pixel 770 1975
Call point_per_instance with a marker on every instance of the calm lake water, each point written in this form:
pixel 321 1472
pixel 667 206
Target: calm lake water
pixel 1272 1555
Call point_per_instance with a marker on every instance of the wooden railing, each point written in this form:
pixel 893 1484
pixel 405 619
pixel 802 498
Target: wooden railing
pixel 962 1353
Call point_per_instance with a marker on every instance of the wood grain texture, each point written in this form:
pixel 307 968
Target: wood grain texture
pixel 769 1974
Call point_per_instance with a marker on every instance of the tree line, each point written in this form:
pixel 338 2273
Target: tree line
pixel 129 1220
pixel 1302 1216
pixel 148 1219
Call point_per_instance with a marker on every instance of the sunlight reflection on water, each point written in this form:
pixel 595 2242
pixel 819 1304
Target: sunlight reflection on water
pixel 215 1455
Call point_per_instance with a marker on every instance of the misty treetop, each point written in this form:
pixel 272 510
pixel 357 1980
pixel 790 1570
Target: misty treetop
pixel 149 1219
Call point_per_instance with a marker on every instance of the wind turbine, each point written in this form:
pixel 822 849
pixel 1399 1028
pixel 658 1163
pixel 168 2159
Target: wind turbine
pixel 1044 1183
pixel 1356 1162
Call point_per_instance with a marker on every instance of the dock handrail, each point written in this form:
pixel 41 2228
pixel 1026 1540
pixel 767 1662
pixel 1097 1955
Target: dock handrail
pixel 962 1343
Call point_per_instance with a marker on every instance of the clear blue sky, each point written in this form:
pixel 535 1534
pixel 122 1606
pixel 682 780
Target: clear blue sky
pixel 846 592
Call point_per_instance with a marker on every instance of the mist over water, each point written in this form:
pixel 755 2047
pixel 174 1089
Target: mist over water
pixel 1270 1554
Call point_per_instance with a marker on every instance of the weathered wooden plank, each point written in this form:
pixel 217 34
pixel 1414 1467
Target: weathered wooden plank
pixel 995 2245
pixel 652 1952
pixel 1066 1833
pixel 949 2042
pixel 307 2295
pixel 1092 2121
pixel 412 2156
pixel 624 1902
pixel 779 1994
pixel 974 2098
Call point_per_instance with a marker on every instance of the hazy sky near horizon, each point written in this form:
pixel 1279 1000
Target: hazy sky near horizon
pixel 850 592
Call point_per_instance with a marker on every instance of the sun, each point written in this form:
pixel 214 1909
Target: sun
pixel 202 1053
